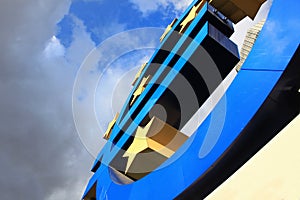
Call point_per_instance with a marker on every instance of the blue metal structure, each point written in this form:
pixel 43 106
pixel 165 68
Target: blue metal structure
pixel 269 67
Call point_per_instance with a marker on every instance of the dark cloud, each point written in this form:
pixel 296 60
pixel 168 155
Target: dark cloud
pixel 41 156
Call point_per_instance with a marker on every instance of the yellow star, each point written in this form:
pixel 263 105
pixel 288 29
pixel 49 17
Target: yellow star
pixel 157 136
pixel 138 145
pixel 169 27
pixel 139 73
pixel 110 127
pixel 191 16
pixel 140 89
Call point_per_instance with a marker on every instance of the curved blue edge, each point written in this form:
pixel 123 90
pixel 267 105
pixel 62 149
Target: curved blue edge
pixel 271 53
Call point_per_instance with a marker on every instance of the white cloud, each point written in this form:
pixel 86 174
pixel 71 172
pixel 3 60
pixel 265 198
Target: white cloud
pixel 103 73
pixel 54 48
pixel 146 6
pixel 81 44
pixel 103 32
pixel 115 84
pixel 92 0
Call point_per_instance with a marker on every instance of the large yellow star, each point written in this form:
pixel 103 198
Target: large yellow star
pixel 157 136
pixel 191 16
pixel 138 145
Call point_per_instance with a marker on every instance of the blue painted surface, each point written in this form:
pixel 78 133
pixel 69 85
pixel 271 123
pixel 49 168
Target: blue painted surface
pixel 248 91
pixel 279 36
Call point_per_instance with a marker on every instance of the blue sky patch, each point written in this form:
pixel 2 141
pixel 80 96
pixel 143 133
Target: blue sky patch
pixel 106 18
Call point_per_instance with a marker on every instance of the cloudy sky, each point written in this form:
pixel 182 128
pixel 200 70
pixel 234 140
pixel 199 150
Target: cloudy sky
pixel 44 43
